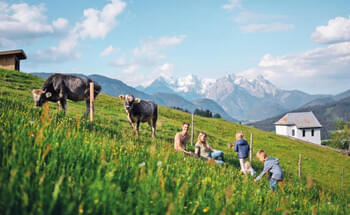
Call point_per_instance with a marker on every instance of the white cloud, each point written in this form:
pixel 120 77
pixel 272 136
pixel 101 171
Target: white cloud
pixel 131 69
pixel 277 26
pixel 312 71
pixel 149 57
pixel 232 4
pixel 119 63
pixel 60 24
pixel 153 47
pixel 249 16
pixel 149 54
pixel 337 30
pixel 166 70
pixel 96 24
pixel 23 22
pixel 109 50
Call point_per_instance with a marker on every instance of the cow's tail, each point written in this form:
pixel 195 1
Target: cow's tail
pixel 155 114
pixel 97 87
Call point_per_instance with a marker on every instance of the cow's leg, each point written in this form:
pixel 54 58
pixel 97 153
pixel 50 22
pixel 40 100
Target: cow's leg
pixel 87 110
pixel 59 105
pixel 153 128
pixel 131 124
pixel 137 127
pixel 154 124
pixel 64 104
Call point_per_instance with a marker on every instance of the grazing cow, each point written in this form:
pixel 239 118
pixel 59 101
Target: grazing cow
pixel 138 110
pixel 59 87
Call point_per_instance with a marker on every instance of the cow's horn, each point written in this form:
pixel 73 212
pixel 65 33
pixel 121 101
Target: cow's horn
pixel 122 97
pixel 137 100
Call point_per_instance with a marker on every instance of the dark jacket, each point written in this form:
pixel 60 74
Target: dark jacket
pixel 242 147
pixel 272 166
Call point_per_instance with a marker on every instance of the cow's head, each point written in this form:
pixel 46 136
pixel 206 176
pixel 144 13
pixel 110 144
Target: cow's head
pixel 129 101
pixel 40 97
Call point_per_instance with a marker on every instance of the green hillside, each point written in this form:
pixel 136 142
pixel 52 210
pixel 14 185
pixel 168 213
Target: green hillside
pixel 52 163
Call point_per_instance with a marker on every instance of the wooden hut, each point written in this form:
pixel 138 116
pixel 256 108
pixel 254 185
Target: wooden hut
pixel 10 59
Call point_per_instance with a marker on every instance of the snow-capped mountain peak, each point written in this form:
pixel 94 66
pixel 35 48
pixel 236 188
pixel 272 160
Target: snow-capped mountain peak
pixel 192 86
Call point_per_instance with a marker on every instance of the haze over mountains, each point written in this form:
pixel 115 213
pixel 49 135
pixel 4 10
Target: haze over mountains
pixel 234 97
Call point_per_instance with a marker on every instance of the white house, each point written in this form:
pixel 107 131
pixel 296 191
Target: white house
pixel 302 125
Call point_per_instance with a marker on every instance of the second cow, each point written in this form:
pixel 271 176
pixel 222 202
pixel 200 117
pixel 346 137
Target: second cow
pixel 138 110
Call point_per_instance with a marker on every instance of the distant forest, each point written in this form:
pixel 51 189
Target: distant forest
pixel 200 112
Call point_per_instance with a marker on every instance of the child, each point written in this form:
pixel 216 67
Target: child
pixel 249 168
pixel 242 149
pixel 272 166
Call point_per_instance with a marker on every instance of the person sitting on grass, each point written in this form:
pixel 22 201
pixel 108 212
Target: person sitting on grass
pixel 272 166
pixel 204 151
pixel 181 139
pixel 249 168
pixel 242 149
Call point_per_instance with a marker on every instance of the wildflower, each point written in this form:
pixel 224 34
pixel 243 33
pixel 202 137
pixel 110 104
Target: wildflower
pixel 142 164
pixel 159 163
pixel 205 210
pixel 31 122
pixel 185 207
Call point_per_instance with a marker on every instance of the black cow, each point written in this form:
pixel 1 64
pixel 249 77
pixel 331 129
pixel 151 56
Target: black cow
pixel 59 87
pixel 138 110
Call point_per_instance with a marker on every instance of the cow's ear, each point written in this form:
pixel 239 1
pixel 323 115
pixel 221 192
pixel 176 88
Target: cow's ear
pixel 122 97
pixel 48 95
pixel 137 100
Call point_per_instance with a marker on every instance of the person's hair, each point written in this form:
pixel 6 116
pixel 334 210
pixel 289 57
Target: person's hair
pixel 185 123
pixel 200 134
pixel 261 153
pixel 239 135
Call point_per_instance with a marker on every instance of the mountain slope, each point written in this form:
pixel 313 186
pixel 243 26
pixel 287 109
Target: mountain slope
pixel 211 105
pixel 173 100
pixel 327 111
pixel 52 163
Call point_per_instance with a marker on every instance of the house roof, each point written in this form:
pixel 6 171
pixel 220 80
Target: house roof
pixel 300 119
pixel 19 53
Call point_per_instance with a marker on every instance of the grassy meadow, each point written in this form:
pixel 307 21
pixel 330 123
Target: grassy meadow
pixel 56 164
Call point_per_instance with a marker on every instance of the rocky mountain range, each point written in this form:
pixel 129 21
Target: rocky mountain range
pixel 242 98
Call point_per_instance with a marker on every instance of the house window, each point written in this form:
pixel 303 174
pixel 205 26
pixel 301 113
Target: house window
pixel 293 132
pixel 303 132
pixel 312 132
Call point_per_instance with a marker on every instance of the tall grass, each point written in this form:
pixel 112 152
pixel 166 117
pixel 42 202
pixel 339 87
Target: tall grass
pixel 55 164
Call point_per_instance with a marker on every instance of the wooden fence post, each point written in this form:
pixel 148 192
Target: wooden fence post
pixel 251 148
pixel 92 101
pixel 299 169
pixel 342 179
pixel 192 128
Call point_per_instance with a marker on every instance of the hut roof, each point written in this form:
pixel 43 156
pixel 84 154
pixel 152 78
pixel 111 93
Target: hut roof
pixel 19 53
pixel 300 119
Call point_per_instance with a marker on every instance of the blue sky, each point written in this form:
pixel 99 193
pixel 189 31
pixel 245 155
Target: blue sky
pixel 297 44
